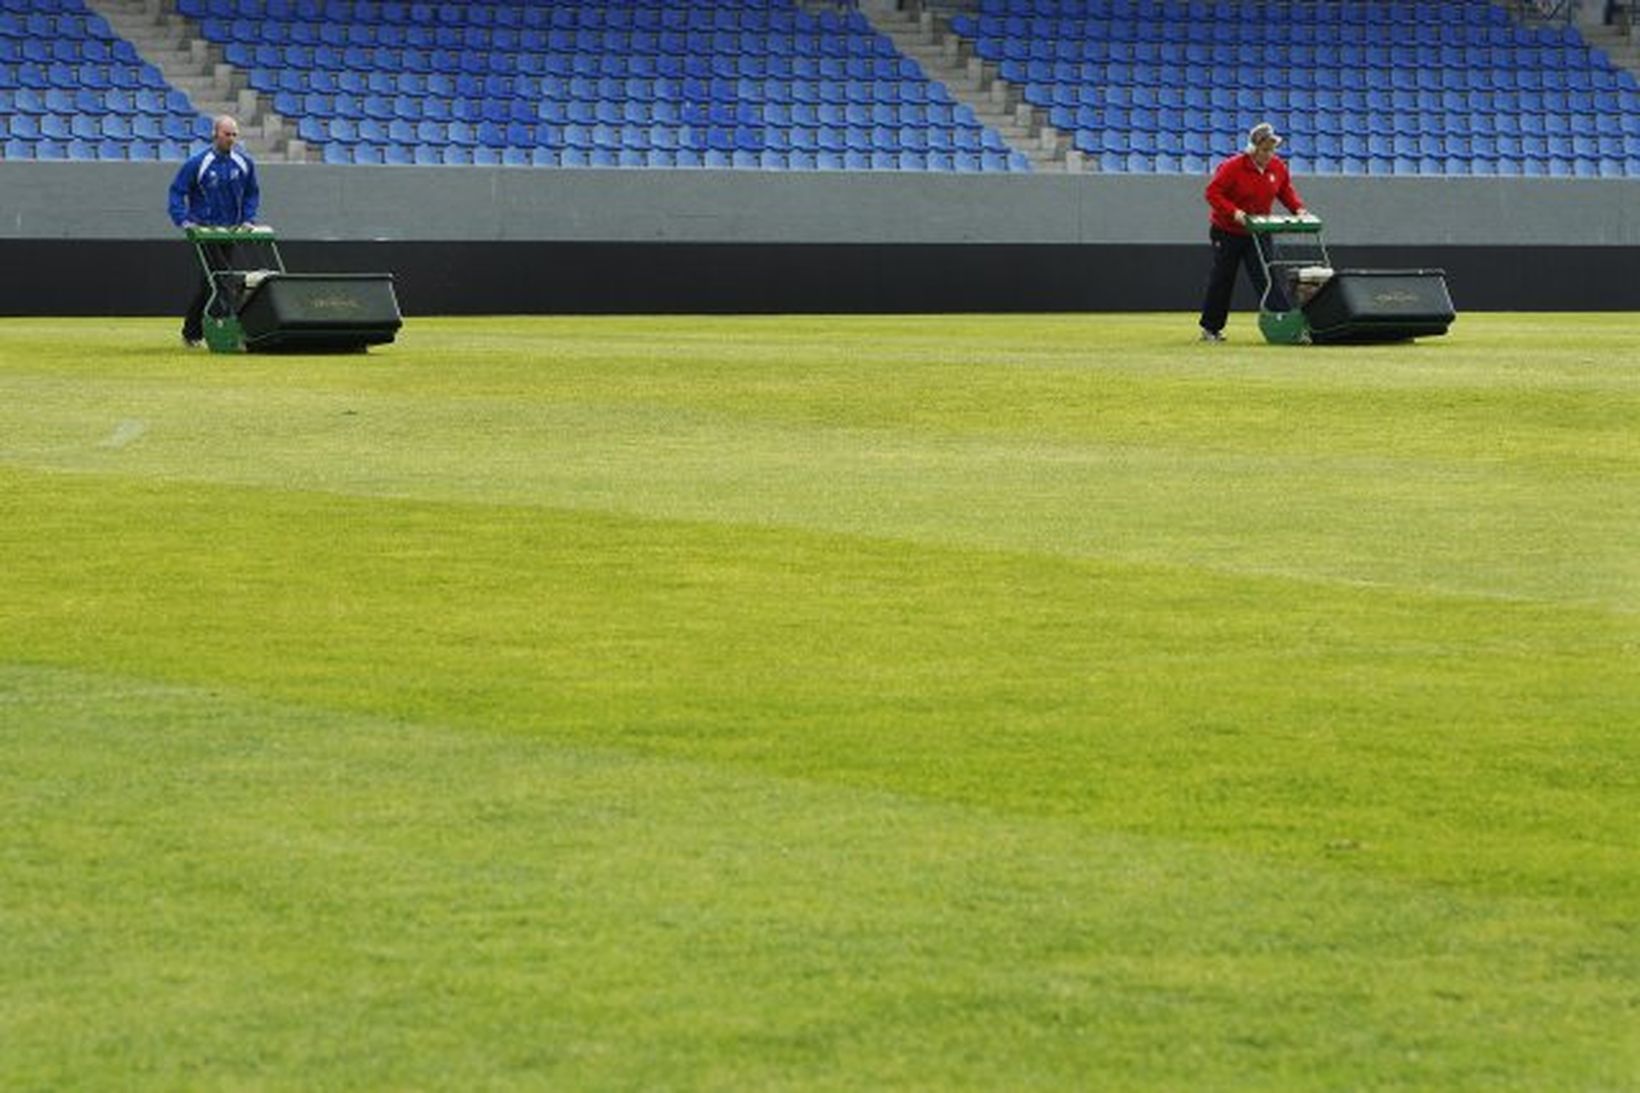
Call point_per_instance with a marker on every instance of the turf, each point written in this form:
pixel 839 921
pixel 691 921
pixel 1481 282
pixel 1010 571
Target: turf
pixel 914 702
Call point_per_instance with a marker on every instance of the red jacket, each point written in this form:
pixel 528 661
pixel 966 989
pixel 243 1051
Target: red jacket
pixel 1239 184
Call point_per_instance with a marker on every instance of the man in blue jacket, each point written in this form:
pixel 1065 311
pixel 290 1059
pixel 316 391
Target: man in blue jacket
pixel 216 189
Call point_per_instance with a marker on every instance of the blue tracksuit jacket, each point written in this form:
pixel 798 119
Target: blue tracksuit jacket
pixel 216 191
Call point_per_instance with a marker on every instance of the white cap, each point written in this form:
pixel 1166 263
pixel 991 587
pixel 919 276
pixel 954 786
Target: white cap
pixel 1262 131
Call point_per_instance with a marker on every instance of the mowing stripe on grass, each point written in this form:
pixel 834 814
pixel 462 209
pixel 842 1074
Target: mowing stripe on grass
pixel 205 886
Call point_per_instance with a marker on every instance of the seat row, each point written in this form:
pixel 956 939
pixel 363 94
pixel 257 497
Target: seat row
pixel 68 50
pixel 1227 54
pixel 413 108
pixel 63 76
pixel 1118 162
pixel 780 15
pixel 480 65
pixel 797 102
pixel 1275 40
pixel 1079 78
pixel 1382 101
pixel 1496 27
pixel 795 94
pixel 1336 145
pixel 1397 13
pixel 1150 37
pixel 395 36
pixel 730 137
pixel 1144 124
pixel 122 151
pixel 1110 162
pixel 31 21
pixel 889 82
pixel 1148 40
pixel 148 127
pixel 456 155
pixel 93 101
pixel 751 136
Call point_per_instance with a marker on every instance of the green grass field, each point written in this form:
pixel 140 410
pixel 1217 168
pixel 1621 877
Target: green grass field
pixel 821 703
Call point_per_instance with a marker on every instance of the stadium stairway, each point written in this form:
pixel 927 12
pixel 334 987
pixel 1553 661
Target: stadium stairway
pixel 918 33
pixel 926 33
pixel 1621 43
pixel 171 42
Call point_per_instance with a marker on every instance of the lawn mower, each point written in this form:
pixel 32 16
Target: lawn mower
pixel 259 307
pixel 1308 302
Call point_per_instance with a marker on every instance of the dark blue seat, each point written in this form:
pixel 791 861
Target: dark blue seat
pixel 148 127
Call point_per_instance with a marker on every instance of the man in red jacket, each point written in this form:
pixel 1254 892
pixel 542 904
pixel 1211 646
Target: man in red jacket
pixel 1246 184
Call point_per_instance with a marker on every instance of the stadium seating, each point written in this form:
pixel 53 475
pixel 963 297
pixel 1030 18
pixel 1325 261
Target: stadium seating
pixel 1404 87
pixel 1378 87
pixel 72 89
pixel 759 84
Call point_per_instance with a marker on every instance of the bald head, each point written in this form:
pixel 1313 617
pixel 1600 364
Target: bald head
pixel 224 134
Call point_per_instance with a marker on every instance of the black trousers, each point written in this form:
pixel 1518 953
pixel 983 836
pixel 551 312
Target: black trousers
pixel 220 256
pixel 1230 252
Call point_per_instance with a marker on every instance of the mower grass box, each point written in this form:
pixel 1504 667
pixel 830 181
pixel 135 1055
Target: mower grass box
pixel 319 311
pixel 1383 305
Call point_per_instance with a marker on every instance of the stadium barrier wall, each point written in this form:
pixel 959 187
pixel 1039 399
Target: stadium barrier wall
pixel 93 239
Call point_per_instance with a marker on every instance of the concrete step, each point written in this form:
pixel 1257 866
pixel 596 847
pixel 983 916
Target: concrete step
pixel 171 54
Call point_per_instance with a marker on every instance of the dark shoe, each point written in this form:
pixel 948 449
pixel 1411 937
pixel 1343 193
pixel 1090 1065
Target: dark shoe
pixel 192 343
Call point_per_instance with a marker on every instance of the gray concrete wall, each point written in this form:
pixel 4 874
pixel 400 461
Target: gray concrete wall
pixel 114 201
